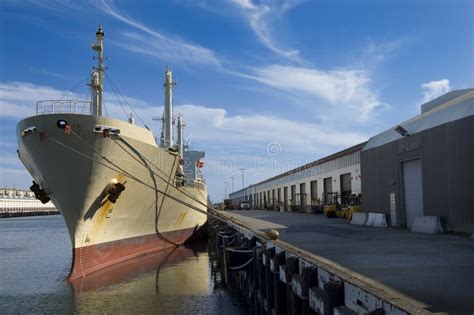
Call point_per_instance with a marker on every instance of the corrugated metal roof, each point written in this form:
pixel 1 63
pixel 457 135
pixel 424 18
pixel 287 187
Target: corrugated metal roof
pixel 446 108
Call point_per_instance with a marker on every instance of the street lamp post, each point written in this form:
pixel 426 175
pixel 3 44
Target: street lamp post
pixel 226 187
pixel 232 178
pixel 242 170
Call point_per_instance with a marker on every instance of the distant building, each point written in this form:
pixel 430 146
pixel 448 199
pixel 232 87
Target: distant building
pixel 16 202
pixel 333 179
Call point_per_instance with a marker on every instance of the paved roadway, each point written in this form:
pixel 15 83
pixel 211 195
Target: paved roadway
pixel 437 270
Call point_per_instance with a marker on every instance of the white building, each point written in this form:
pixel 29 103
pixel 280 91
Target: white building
pixel 333 179
pixel 15 202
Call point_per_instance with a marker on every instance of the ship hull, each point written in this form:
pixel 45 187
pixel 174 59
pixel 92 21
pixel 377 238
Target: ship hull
pixel 77 168
pixel 92 258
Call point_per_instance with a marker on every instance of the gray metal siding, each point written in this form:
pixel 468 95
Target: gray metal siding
pixel 449 173
pixel 447 155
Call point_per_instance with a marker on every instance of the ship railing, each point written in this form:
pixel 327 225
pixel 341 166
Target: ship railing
pixel 195 184
pixel 63 106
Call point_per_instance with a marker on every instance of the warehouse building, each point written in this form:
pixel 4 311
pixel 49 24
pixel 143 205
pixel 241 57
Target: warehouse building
pixel 425 165
pixel 421 167
pixel 333 179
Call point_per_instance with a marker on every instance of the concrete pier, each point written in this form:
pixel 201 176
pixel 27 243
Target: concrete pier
pixel 327 266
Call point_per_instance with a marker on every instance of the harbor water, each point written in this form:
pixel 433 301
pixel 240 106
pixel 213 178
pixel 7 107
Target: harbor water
pixel 35 258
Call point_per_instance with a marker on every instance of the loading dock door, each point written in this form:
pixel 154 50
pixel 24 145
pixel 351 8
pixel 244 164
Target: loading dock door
pixel 327 197
pixel 328 185
pixel 314 192
pixel 346 188
pixel 413 190
pixel 303 197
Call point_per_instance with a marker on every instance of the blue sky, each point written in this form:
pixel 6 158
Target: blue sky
pixel 265 85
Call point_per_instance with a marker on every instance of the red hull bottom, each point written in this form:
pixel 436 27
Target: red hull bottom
pixel 89 259
pixel 130 269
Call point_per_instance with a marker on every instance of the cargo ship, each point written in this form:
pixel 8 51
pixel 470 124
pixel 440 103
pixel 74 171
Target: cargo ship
pixel 122 192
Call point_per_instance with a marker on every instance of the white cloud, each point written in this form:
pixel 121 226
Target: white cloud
pixel 434 89
pixel 245 4
pixel 226 130
pixel 166 49
pixel 152 42
pixel 53 74
pixel 377 52
pixel 28 92
pixel 18 99
pixel 261 18
pixel 230 141
pixel 346 88
pixel 12 173
pixel 221 128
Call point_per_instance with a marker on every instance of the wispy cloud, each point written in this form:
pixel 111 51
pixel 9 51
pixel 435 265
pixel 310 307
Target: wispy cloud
pixel 18 99
pixel 226 130
pixel 12 173
pixel 376 52
pixel 261 17
pixel 49 73
pixel 342 88
pixel 433 89
pixel 151 42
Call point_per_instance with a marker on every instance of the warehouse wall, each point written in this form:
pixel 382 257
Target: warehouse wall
pixel 447 156
pixel 349 163
pixel 354 170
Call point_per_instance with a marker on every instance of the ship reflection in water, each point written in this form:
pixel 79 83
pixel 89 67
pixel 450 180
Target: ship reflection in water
pixel 35 257
pixel 151 263
pixel 173 281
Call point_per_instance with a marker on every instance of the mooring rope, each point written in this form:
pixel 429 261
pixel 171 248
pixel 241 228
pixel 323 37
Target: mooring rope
pixel 241 266
pixel 237 250
pixel 139 181
pixel 226 236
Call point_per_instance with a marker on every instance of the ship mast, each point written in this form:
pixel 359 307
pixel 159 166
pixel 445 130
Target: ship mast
pixel 97 74
pixel 181 126
pixel 168 107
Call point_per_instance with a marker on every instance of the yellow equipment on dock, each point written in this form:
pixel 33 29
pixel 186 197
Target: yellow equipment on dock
pixel 330 211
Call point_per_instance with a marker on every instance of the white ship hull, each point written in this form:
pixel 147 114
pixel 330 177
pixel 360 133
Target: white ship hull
pixel 72 171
